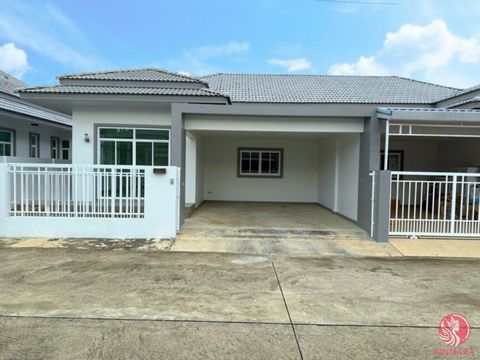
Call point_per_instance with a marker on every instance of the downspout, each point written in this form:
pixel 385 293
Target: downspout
pixel 372 215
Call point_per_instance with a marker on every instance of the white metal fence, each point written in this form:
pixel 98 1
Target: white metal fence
pixel 76 190
pixel 435 204
pixel 88 201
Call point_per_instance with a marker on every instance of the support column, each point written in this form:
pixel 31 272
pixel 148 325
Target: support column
pixel 177 143
pixel 369 161
pixel 381 221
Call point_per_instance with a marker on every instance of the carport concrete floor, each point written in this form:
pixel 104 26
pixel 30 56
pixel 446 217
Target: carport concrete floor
pixel 274 228
pixel 104 304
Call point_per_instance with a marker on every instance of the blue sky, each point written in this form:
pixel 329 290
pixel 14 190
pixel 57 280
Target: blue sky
pixel 431 40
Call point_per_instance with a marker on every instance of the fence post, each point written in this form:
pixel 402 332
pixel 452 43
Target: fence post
pixel 5 196
pixel 453 203
pixel 381 222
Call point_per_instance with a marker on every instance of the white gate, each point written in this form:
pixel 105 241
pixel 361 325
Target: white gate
pixel 435 204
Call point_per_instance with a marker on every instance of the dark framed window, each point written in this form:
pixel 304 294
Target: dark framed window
pixel 256 162
pixel 55 147
pixel 66 149
pixel 7 142
pixel 34 145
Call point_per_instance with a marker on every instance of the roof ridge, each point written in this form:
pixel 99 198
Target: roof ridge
pixel 286 74
pixel 162 70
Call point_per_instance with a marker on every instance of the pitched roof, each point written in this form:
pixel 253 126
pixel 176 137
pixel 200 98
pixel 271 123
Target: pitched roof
pixel 260 88
pixel 121 90
pixel 147 74
pixel 10 85
pixel 19 106
pixel 474 99
pixel 462 92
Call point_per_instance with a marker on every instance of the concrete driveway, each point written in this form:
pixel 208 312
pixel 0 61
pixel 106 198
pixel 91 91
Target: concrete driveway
pixel 79 304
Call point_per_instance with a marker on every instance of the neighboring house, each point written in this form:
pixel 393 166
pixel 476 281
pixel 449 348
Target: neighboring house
pixel 272 138
pixel 29 132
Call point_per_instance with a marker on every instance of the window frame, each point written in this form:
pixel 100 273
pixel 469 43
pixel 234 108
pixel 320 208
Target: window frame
pixel 37 145
pixel 278 175
pixel 67 149
pixel 12 143
pixel 56 149
pixel 133 141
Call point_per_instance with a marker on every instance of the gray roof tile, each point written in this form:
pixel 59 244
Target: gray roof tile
pixel 10 85
pixel 462 92
pixel 121 90
pixel 147 74
pixel 258 88
pixel 474 99
pixel 20 107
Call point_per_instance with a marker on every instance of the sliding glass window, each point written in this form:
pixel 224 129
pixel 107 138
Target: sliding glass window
pixel 132 146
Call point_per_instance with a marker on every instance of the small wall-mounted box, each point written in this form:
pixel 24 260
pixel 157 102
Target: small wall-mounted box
pixel 159 171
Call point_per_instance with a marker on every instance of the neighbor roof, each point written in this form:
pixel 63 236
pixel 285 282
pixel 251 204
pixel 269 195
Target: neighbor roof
pixel 10 102
pixel 462 92
pixel 21 107
pixel 147 74
pixel 10 85
pixel 475 99
pixel 258 88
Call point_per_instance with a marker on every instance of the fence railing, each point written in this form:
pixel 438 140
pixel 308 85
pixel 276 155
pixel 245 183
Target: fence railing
pixel 435 204
pixel 57 190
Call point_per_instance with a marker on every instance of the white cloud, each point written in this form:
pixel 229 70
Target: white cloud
pixel 13 60
pixel 292 64
pixel 416 51
pixel 364 66
pixel 210 58
pixel 45 29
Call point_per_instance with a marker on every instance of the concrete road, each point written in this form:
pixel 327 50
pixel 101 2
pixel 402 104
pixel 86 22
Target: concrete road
pixel 79 304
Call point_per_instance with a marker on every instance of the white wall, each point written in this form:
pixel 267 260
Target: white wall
pixel 347 175
pixel 339 157
pixel 22 133
pixel 199 186
pixel 300 172
pixel 190 169
pixel 85 118
pixel 273 124
pixel 327 169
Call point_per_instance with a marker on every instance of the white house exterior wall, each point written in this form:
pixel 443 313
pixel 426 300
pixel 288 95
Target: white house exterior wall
pixel 338 173
pixel 347 179
pixel 85 119
pixel 190 169
pixel 300 171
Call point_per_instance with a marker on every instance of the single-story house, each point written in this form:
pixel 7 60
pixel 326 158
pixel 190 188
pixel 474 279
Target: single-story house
pixel 393 155
pixel 29 132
